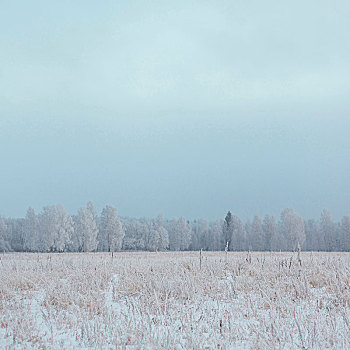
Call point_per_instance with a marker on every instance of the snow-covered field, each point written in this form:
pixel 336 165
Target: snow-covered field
pixel 141 300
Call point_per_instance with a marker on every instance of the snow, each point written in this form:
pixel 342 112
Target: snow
pixel 164 301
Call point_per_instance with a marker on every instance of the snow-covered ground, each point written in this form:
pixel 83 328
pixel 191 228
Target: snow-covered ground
pixel 164 300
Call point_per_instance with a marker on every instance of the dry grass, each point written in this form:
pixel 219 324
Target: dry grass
pixel 165 301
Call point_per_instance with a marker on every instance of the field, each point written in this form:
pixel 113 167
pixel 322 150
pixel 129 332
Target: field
pixel 140 300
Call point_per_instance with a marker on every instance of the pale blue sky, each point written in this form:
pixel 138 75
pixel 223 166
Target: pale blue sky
pixel 183 108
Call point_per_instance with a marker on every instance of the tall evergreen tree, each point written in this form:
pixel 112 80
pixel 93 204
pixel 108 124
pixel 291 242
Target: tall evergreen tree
pixel 228 230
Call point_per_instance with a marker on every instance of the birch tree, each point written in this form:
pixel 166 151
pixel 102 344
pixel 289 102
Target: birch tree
pixel 111 231
pixel 4 244
pixel 270 233
pixel 86 230
pixel 180 234
pixel 64 229
pixel 345 232
pixel 292 228
pixel 327 231
pixel 257 235
pixel 31 228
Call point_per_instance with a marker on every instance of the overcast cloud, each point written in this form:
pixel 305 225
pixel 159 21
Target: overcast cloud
pixel 183 108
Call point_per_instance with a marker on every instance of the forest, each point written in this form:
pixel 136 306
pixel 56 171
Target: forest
pixel 55 230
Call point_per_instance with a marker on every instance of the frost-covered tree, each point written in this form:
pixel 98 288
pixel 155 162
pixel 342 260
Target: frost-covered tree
pixel 195 237
pixel 4 244
pixel 292 228
pixel 15 234
pixel 257 235
pixel 162 234
pixel 31 231
pixel 180 233
pixel 238 240
pixel 146 234
pixel 327 231
pixel 47 229
pixel 111 233
pixel 55 229
pixel 216 241
pixel 338 239
pixel 207 235
pixel 204 234
pixel 64 229
pixel 134 235
pixel 270 233
pixel 201 235
pixel 174 236
pixel 312 241
pixel 152 239
pixel 85 231
pixel 345 233
pixel 149 235
pixel 248 233
pixel 155 235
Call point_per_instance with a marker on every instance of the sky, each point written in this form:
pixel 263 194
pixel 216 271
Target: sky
pixel 186 108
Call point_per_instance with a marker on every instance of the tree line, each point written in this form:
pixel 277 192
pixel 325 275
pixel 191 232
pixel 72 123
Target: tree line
pixel 55 230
